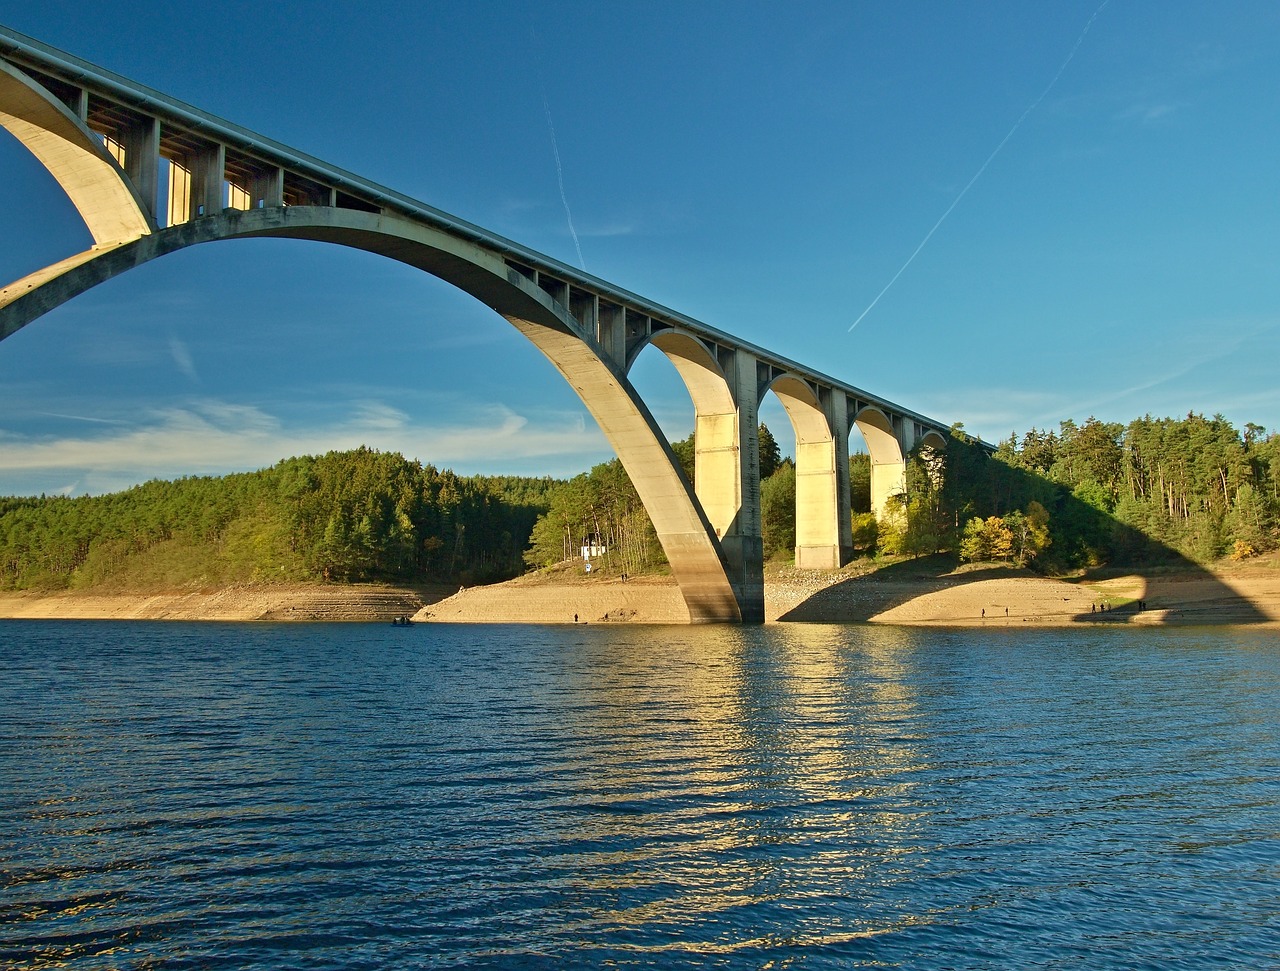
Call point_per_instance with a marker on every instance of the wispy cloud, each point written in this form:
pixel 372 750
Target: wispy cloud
pixel 1214 343
pixel 88 418
pixel 182 358
pixel 1147 112
pixel 606 229
pixel 214 437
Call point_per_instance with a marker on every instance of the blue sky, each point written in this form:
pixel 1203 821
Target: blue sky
pixel 767 168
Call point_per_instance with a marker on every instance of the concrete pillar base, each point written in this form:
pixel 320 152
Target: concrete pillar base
pixel 818 558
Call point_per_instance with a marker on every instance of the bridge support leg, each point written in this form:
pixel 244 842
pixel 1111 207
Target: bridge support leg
pixel 742 541
pixel 824 533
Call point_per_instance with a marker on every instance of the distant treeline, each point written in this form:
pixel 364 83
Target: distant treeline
pixel 1081 496
pixel 1194 484
pixel 1191 487
pixel 347 516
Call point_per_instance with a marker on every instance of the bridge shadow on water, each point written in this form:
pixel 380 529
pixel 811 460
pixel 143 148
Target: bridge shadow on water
pixel 1144 581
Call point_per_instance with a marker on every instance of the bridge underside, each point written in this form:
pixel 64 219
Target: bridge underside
pixel 151 176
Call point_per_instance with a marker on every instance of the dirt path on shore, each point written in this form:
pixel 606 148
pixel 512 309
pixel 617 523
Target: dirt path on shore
pixel 921 592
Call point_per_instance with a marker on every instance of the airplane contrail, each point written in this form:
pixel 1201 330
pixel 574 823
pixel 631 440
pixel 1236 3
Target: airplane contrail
pixel 977 175
pixel 555 150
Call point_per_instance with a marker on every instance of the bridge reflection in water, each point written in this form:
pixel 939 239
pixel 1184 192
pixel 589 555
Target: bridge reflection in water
pixel 151 175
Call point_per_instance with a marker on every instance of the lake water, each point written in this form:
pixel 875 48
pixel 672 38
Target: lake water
pixel 794 796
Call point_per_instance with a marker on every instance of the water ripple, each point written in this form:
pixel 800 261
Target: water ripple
pixel 353 796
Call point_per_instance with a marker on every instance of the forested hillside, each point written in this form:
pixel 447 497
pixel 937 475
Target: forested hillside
pixel 348 516
pixel 1101 492
pixel 1084 495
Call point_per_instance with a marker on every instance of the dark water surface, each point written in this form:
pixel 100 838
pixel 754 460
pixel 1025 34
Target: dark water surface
pixel 357 796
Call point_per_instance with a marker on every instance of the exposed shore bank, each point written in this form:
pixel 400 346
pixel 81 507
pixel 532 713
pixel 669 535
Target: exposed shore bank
pixel 912 592
pixel 295 602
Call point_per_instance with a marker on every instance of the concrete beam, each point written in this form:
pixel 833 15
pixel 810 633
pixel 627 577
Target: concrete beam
pixel 208 169
pixel 141 143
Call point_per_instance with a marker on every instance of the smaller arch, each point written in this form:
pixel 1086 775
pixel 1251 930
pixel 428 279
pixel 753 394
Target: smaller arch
pixel 933 439
pixel 822 519
pixel 888 463
pixel 717 473
pixel 698 368
pixel 75 157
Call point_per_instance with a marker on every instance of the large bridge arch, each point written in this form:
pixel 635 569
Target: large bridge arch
pixel 106 141
pixel 108 203
pixel 688 539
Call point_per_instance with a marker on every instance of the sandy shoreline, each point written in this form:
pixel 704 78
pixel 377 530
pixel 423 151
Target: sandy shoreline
pixel 902 594
pixel 913 593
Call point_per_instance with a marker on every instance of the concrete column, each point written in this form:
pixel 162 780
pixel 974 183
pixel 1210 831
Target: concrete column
pixel 266 189
pixel 612 333
pixel 717 467
pixel 823 527
pixel 742 541
pixel 817 536
pixel 823 532
pixel 837 408
pixel 819 420
pixel 208 169
pixel 142 161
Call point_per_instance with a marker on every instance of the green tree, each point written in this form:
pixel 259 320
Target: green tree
pixel 778 511
pixel 860 482
pixel 770 453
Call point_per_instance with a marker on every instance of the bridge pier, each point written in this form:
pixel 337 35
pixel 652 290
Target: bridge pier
pixel 824 532
pixel 743 540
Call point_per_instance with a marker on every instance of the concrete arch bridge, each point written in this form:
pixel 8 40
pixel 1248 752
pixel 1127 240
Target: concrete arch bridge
pixel 150 175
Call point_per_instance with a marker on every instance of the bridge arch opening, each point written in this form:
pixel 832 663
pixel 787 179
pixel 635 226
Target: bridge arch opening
pixel 389 357
pixel 888 461
pixel 715 425
pixel 933 439
pixel 821 515
pixel 696 558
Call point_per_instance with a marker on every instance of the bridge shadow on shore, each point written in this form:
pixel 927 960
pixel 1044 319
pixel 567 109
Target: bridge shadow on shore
pixel 1143 581
pixel 934 590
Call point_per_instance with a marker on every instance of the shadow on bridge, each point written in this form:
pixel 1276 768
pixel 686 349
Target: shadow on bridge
pixel 1143 581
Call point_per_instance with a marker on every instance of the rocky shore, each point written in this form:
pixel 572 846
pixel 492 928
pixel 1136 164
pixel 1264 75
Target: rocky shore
pixel 924 592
